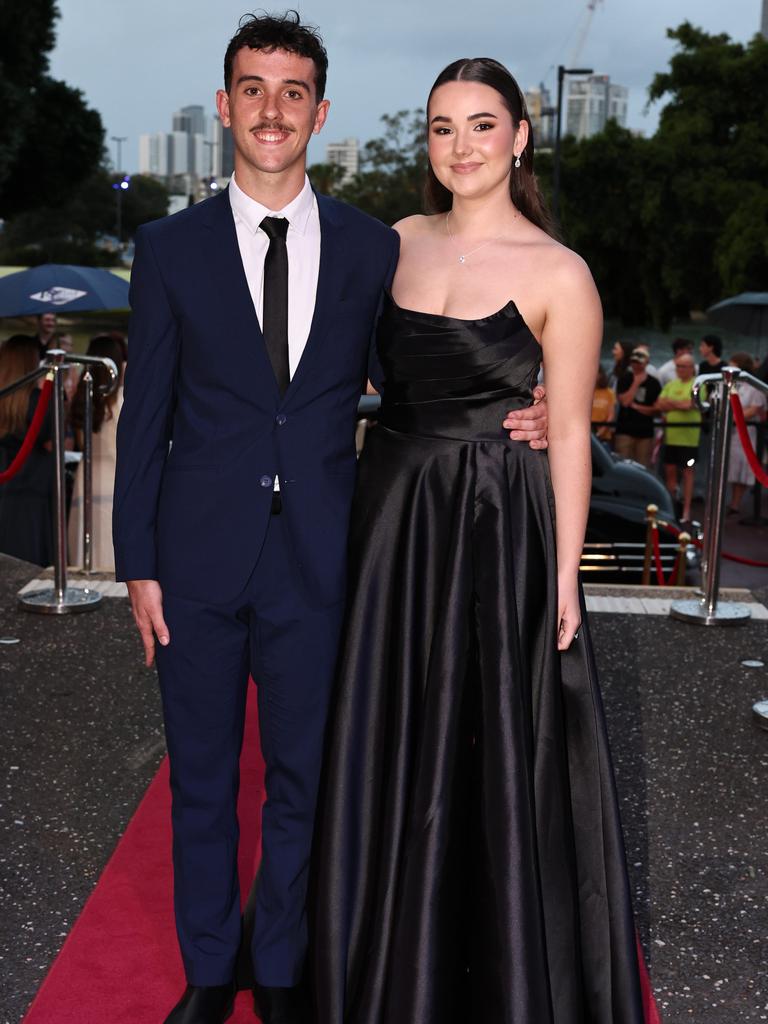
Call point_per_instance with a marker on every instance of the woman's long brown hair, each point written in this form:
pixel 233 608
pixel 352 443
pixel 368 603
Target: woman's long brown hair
pixel 110 346
pixel 523 186
pixel 19 355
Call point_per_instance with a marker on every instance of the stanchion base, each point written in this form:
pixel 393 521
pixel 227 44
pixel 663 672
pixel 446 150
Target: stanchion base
pixel 76 599
pixel 760 714
pixel 726 613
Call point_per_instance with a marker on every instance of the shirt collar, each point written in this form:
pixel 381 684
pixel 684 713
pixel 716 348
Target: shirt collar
pixel 251 212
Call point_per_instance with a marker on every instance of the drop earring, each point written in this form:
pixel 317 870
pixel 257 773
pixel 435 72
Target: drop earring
pixel 517 162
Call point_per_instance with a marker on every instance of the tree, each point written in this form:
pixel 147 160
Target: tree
pixel 603 184
pixel 713 142
pixel 326 178
pixel 26 38
pixel 73 232
pixel 50 140
pixel 713 138
pixel 677 221
pixel 146 199
pixel 390 181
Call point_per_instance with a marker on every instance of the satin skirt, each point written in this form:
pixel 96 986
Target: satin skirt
pixel 469 865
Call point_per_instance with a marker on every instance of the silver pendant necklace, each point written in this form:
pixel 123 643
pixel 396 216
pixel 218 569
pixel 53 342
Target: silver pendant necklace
pixel 463 257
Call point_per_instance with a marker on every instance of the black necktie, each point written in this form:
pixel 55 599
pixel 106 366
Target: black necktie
pixel 275 317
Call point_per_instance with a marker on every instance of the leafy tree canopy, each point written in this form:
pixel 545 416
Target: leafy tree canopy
pixel 50 141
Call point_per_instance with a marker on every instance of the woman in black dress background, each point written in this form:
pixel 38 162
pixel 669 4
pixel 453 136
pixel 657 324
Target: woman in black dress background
pixel 469 864
pixel 26 501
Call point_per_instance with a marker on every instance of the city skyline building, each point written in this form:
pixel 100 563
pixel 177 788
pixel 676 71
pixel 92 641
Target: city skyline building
pixel 223 153
pixel 542 112
pixel 592 102
pixel 345 154
pixel 190 119
pixel 197 149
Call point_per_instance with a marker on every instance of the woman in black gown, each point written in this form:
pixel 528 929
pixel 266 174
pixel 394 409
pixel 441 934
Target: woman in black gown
pixel 469 864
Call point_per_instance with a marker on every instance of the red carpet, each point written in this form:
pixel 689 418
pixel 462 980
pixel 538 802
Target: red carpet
pixel 120 963
pixel 650 1010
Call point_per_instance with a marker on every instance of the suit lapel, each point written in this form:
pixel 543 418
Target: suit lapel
pixel 233 296
pixel 329 287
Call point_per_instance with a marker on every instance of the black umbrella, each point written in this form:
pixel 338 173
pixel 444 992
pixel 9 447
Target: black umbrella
pixel 746 314
pixel 59 288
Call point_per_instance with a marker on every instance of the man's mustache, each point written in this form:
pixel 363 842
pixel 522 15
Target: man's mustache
pixel 272 128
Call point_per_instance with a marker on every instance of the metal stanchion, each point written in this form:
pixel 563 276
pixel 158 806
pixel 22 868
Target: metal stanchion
pixel 710 496
pixel 760 714
pixel 650 518
pixel 87 381
pixel 682 550
pixel 59 599
pixel 707 611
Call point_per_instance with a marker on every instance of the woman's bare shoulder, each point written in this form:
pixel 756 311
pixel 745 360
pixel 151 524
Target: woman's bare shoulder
pixel 560 263
pixel 418 224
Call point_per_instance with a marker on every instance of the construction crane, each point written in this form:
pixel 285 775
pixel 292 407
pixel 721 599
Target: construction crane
pixel 586 24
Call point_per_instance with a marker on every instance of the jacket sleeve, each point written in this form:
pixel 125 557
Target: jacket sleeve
pixel 144 427
pixel 375 373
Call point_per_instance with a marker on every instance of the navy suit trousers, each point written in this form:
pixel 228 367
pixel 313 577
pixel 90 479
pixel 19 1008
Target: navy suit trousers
pixel 289 647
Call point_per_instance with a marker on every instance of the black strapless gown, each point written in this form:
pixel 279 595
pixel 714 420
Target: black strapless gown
pixel 469 864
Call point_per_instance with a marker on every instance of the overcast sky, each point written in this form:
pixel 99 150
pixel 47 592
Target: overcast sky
pixel 140 60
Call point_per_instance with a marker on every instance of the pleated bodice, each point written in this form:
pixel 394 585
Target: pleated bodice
pixel 446 377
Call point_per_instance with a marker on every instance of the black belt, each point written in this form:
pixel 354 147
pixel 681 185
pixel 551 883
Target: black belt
pixel 277 503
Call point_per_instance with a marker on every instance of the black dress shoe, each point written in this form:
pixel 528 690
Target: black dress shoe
pixel 282 1005
pixel 204 1004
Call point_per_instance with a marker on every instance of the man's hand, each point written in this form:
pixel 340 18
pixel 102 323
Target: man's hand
pixel 147 607
pixel 530 424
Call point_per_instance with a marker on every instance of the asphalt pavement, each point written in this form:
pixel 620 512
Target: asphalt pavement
pixel 82 737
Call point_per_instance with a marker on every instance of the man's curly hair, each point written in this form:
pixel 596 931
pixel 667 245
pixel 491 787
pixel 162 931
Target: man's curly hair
pixel 279 32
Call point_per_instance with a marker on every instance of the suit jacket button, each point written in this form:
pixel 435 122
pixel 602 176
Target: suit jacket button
pixel 280 419
pixel 267 481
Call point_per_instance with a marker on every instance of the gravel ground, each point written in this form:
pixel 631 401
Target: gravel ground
pixel 82 737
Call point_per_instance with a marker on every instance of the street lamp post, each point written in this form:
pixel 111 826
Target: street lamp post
pixel 212 184
pixel 119 187
pixel 561 73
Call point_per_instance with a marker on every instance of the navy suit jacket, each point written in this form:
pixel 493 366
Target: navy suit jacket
pixel 193 514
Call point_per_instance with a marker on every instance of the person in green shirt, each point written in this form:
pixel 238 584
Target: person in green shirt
pixel 683 431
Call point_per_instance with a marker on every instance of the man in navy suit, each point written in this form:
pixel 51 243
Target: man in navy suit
pixel 252 315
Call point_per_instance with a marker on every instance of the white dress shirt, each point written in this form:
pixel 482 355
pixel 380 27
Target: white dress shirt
pixel 303 245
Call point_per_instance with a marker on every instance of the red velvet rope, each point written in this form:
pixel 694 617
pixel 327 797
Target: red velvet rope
pixel 657 560
pixel 746 440
pixel 723 554
pixel 32 433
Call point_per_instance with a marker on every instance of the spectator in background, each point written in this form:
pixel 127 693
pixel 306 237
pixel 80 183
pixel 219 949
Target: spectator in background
pixel 621 352
pixel 650 369
pixel 668 370
pixel 46 332
pixel 681 441
pixel 711 350
pixel 106 410
pixel 753 401
pixel 26 500
pixel 603 406
pixel 637 393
